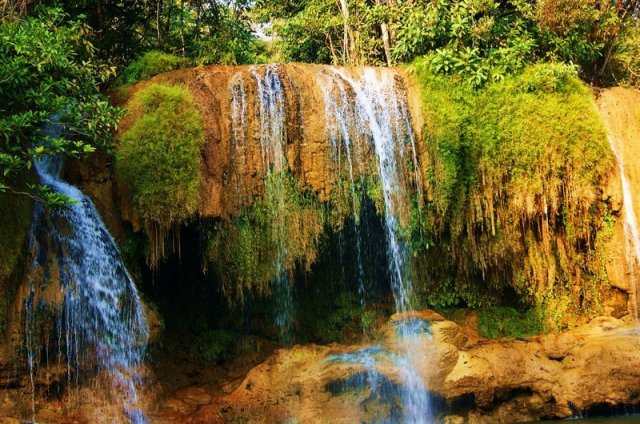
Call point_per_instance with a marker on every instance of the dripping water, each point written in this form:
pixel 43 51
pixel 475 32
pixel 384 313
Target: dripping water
pixel 337 132
pixel 630 222
pixel 101 321
pixel 271 116
pixel 380 115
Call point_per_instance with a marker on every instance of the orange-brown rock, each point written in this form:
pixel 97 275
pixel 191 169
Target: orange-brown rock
pixel 620 110
pixel 232 162
pixel 500 380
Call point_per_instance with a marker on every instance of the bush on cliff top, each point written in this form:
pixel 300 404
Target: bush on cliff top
pixel 159 160
pixel 150 64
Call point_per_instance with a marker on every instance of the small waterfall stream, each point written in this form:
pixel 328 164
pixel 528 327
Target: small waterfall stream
pixel 101 323
pixel 378 115
pixel 271 116
pixel 630 222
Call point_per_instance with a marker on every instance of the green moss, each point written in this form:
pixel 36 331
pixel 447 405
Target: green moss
pixel 159 160
pixel 513 176
pixel 503 321
pixel 14 227
pixel 280 231
pixel 150 64
pixel 215 345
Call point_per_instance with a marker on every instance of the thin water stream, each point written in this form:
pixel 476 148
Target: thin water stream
pixel 630 222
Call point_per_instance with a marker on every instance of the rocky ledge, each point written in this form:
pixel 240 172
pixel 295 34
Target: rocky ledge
pixel 590 368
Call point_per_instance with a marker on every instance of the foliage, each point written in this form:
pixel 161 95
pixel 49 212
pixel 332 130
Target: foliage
pixel 476 39
pixel 279 231
pixel 215 345
pixel 159 160
pixel 511 167
pixel 345 310
pixel 149 64
pixel 309 35
pixel 480 41
pixel 504 321
pixel 232 43
pixel 624 65
pixel 49 77
pixel 206 32
pixel 326 31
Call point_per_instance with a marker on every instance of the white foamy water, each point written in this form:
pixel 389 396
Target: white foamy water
pixel 376 111
pixel 101 323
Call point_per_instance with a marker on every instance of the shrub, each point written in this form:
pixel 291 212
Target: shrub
pixel 503 321
pixel 159 160
pixel 625 60
pixel 215 345
pixel 150 64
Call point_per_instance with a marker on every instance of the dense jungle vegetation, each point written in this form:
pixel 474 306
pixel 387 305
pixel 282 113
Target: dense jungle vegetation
pixel 496 78
pixel 56 58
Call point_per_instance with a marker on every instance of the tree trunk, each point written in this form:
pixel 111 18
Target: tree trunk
pixel 158 14
pixel 182 26
pixel 198 16
pixel 386 37
pixel 167 28
pixel 344 7
pixel 386 41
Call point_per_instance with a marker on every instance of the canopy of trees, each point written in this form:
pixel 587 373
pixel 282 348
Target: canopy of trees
pixel 56 61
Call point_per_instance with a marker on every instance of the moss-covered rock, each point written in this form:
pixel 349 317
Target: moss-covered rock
pixel 515 177
pixel 279 231
pixel 16 211
pixel 159 160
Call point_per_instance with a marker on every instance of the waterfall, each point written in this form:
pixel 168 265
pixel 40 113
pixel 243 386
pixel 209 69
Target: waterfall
pixel 337 131
pixel 101 322
pixel 271 111
pixel 378 113
pixel 630 222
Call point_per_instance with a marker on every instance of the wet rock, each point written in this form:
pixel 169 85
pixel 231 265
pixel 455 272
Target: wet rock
pixel 501 380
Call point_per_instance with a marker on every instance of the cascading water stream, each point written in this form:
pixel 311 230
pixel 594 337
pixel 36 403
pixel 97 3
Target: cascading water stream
pixel 101 323
pixel 378 114
pixel 630 222
pixel 338 131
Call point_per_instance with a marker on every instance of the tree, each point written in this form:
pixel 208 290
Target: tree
pixel 46 71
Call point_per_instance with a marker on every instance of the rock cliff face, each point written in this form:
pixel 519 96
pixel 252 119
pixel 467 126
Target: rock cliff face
pixel 236 157
pixel 230 100
pixel 620 109
pixel 470 378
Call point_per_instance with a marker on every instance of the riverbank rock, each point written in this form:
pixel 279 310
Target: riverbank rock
pixel 553 376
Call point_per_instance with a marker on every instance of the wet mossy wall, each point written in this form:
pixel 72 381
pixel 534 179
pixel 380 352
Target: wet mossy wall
pixel 15 221
pixel 510 212
pixel 515 181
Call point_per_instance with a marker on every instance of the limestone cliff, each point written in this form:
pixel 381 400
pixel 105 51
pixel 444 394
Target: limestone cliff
pixel 620 109
pixel 232 158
